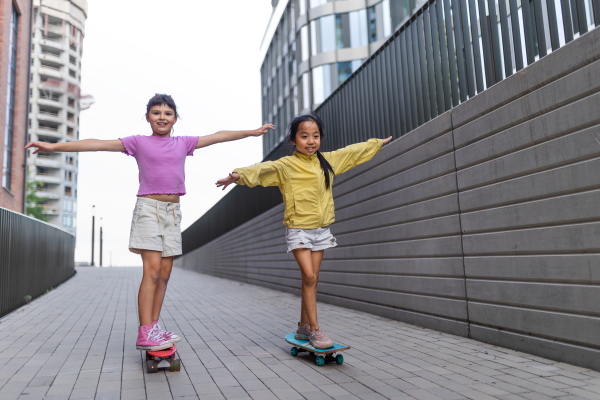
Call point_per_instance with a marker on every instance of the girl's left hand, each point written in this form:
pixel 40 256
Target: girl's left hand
pixel 385 141
pixel 262 130
pixel 232 178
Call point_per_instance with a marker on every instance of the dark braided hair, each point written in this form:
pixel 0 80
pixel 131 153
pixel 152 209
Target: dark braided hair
pixel 293 130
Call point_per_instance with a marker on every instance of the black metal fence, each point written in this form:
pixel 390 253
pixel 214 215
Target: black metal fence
pixel 34 257
pixel 445 54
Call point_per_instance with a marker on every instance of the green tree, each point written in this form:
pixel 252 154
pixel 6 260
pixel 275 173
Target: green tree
pixel 33 209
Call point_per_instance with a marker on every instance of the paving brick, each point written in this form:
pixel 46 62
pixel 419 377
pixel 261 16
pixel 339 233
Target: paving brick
pixel 233 347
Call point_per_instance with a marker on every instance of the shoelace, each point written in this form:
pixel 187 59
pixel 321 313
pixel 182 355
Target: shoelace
pixel 320 335
pixel 163 332
pixel 154 334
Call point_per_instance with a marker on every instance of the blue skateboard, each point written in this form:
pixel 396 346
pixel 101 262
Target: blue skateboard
pixel 322 355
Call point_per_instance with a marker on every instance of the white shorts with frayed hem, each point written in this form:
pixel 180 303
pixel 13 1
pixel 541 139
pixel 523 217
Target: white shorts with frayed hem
pixel 156 225
pixel 315 239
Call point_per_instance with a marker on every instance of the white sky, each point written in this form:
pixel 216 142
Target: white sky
pixel 204 54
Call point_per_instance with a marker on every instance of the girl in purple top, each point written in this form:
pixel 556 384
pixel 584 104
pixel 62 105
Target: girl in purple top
pixel 156 225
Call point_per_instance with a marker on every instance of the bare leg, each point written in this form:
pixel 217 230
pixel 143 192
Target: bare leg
pixel 317 257
pixel 152 266
pixel 161 288
pixel 304 258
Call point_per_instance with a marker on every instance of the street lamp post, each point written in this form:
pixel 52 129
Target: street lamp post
pixel 100 241
pixel 93 222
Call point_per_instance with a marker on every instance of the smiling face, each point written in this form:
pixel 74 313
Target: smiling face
pixel 161 119
pixel 308 138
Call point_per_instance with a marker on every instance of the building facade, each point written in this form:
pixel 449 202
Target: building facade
pixel 15 39
pixel 57 48
pixel 311 46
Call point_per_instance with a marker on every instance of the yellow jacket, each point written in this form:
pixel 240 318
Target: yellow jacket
pixel 308 204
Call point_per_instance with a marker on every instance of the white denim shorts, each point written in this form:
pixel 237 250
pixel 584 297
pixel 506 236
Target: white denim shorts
pixel 315 239
pixel 156 225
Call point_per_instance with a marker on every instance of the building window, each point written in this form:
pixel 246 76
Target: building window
pixel 305 92
pixel 372 24
pixel 69 176
pixel 304 42
pixel 67 221
pixel 345 69
pixel 10 97
pixel 387 19
pixel 358 28
pixel 68 191
pixel 317 3
pixel 321 83
pixel 339 32
pixel 302 8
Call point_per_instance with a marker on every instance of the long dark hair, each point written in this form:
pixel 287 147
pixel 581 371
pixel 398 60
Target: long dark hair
pixel 291 135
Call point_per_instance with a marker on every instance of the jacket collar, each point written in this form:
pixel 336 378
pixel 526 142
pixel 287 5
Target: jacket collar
pixel 305 157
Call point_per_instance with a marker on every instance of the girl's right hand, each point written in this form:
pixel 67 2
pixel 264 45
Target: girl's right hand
pixel 232 178
pixel 41 146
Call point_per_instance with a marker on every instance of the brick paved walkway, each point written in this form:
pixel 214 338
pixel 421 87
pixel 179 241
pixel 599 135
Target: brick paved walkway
pixel 77 342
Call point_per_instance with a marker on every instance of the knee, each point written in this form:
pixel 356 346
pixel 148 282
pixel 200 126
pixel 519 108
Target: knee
pixel 154 277
pixel 309 280
pixel 164 279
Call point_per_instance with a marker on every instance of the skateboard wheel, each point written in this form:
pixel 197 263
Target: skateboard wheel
pixel 294 351
pixel 149 357
pixel 152 366
pixel 320 360
pixel 175 365
pixel 339 359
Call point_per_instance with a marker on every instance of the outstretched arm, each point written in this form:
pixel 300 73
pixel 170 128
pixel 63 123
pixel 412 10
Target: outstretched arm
pixel 232 178
pixel 228 136
pixel 77 146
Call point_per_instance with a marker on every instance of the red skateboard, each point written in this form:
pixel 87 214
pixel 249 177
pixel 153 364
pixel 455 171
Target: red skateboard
pixel 162 359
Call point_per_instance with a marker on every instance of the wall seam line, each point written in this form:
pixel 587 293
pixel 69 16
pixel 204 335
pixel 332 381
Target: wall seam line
pixel 462 250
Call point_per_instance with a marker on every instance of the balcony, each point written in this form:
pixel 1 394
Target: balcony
pixel 47 161
pixel 50 71
pixel 48 194
pixel 49 131
pixel 50 101
pixel 47 178
pixel 47 56
pixel 49 209
pixel 58 44
pixel 49 116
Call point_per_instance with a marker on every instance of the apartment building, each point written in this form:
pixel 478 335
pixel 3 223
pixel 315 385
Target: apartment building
pixel 56 102
pixel 15 38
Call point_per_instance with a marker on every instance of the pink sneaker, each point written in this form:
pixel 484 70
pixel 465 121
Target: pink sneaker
pixel 303 332
pixel 319 340
pixel 149 339
pixel 167 335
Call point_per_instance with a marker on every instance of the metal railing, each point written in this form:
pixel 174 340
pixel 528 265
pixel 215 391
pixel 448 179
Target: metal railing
pixel 428 66
pixel 34 257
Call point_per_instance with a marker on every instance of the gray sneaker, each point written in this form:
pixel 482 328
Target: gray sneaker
pixel 319 340
pixel 303 332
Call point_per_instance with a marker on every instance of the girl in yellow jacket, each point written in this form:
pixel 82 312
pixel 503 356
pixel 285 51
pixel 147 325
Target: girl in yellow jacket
pixel 305 181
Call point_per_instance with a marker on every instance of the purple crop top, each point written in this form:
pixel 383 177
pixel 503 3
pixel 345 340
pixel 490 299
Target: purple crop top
pixel 161 161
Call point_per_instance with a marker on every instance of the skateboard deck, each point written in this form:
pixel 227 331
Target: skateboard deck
pixel 322 355
pixel 162 359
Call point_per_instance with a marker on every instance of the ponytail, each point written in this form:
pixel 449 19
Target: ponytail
pixel 327 169
pixel 291 135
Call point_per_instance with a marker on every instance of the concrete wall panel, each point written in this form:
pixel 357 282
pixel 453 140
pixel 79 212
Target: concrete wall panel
pixel 482 222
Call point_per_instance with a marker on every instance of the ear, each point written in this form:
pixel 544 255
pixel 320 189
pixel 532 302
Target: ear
pixel 147 118
pixel 175 120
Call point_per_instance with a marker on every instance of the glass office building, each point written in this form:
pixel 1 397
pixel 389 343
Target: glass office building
pixel 310 47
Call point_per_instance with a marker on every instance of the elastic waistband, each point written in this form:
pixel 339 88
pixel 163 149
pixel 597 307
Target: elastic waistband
pixel 157 203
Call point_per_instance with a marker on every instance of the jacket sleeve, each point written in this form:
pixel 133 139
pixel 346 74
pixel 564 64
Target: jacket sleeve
pixel 268 173
pixel 350 156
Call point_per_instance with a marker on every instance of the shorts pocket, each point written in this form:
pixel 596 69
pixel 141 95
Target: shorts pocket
pixel 146 224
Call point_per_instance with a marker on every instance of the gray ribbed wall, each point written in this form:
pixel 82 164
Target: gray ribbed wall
pixel 516 169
